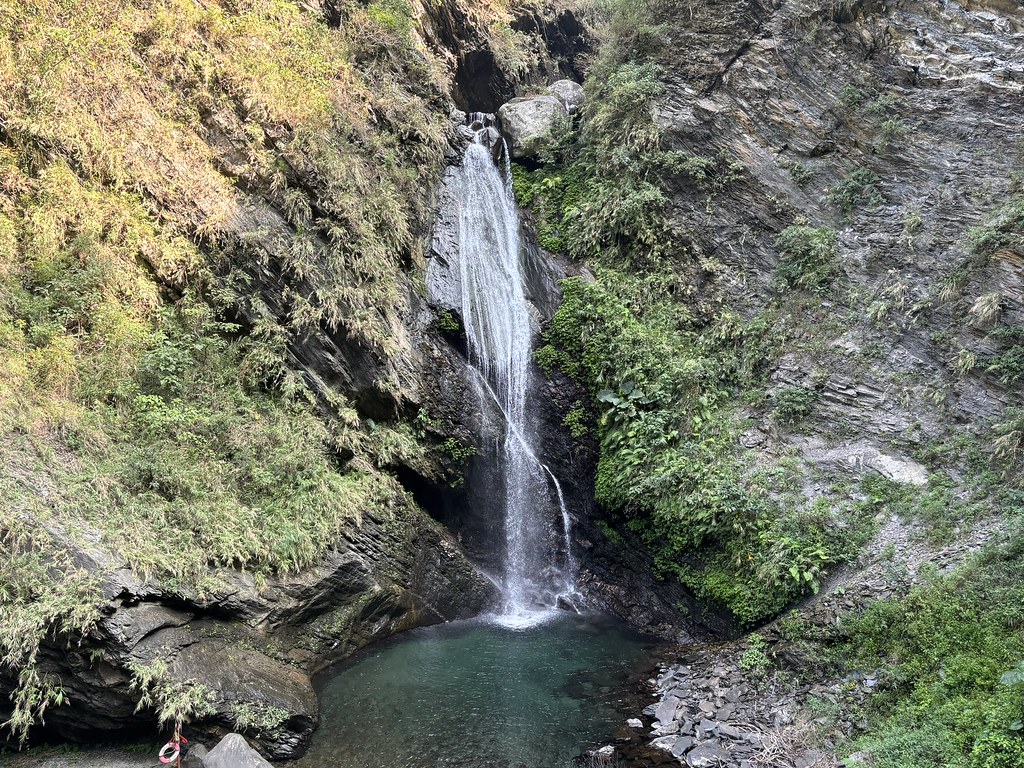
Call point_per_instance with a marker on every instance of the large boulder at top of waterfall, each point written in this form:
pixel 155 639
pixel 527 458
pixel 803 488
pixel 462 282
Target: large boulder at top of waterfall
pixel 531 123
pixel 567 92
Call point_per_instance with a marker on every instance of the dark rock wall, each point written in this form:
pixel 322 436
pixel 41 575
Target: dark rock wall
pixel 258 642
pixel 927 95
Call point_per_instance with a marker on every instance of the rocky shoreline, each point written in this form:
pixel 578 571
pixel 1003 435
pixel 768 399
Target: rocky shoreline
pixel 772 700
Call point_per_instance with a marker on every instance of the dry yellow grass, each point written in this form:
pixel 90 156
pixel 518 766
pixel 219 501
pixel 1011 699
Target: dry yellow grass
pixel 153 155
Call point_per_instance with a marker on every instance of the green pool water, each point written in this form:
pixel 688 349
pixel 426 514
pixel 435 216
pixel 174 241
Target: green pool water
pixel 477 694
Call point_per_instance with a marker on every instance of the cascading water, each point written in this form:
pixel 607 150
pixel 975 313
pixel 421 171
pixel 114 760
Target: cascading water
pixel 538 563
pixel 531 685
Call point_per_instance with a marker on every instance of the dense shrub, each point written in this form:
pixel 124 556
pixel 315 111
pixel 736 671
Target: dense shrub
pixel 807 257
pixel 941 700
pixel 669 465
pixel 856 189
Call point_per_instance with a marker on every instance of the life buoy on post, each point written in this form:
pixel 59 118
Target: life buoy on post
pixel 171 751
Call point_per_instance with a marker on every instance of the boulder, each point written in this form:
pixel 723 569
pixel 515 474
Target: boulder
pixel 666 711
pixel 241 675
pixel 707 755
pixel 195 757
pixel 531 123
pixel 569 93
pixel 683 745
pixel 234 751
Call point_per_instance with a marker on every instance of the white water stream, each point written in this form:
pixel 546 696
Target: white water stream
pixel 538 565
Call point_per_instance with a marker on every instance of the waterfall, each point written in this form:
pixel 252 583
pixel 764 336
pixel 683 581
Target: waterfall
pixel 538 567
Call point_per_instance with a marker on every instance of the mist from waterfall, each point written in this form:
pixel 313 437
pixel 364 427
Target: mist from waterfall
pixel 537 560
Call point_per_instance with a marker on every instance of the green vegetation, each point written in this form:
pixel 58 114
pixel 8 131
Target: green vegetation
pixel 43 595
pixel 148 408
pixel 891 131
pixel 176 701
pixel 258 718
pixel 142 428
pixel 792 404
pixel 553 194
pixel 754 659
pixel 667 375
pixel 449 322
pixel 669 465
pixel 578 421
pixel 807 257
pixel 603 192
pixel 458 452
pixel 1008 363
pixel 1005 230
pixel 857 189
pixel 851 97
pixel 948 692
pixel 1008 432
pixel 943 506
pixel 801 174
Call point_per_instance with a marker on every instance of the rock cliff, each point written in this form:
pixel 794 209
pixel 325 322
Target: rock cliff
pixel 921 103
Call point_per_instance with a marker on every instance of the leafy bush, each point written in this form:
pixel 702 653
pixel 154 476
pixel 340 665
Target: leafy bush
pixel 176 702
pixel 669 463
pixel 1005 230
pixel 578 422
pixel 807 257
pixel 258 718
pixel 1008 364
pixel 448 322
pixel 792 404
pixel 851 96
pixel 891 131
pixel 941 702
pixel 754 658
pixel 801 174
pixel 998 749
pixel 857 188
pixel 1008 442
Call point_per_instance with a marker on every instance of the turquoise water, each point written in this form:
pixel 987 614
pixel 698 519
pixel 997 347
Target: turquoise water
pixel 479 695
